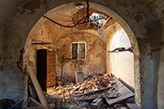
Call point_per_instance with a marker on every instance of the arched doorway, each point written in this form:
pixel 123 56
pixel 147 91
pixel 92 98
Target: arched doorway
pixel 121 63
pixel 30 50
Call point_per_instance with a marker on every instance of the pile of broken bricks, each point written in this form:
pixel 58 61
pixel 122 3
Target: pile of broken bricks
pixel 98 92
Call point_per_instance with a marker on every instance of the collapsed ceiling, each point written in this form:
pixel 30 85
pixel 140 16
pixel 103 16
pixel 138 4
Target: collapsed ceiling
pixel 73 15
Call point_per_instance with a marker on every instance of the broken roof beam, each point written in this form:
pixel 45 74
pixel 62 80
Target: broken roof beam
pixel 40 42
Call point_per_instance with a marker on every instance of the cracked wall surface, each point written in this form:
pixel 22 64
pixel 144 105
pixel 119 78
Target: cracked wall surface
pixel 145 18
pixel 94 62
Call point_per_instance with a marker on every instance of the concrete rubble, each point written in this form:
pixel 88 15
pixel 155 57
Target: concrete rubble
pixel 93 93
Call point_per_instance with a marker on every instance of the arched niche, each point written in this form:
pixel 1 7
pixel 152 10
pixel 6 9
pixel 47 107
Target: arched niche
pixel 121 64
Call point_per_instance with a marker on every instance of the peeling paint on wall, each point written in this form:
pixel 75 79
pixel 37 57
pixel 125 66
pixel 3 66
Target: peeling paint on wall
pixel 94 61
pixel 20 62
pixel 32 6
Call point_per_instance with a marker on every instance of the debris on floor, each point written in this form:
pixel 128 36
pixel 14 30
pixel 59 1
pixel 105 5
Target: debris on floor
pixel 98 92
pixel 123 90
pixel 97 84
pixel 132 106
pixel 97 104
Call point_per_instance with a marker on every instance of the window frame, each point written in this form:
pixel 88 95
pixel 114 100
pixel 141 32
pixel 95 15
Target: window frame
pixel 78 50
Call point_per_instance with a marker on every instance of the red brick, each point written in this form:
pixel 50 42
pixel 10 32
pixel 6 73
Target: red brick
pixel 51 75
pixel 51 62
pixel 51 71
pixel 51 79
pixel 51 68
pixel 50 53
pixel 51 57
pixel 51 84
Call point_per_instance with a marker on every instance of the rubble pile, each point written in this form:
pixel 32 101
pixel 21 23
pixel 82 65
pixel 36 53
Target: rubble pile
pixel 90 88
pixel 94 84
pixel 92 92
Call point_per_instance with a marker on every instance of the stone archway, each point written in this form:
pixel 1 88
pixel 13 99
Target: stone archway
pixel 121 63
pixel 28 48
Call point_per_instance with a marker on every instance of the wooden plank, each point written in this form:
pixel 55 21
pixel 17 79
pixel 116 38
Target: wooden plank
pixel 120 106
pixel 92 92
pixel 37 87
pixel 132 106
pixel 40 42
pixel 36 102
pixel 124 92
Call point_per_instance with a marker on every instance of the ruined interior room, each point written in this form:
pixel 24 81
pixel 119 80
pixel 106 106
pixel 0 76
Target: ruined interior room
pixel 81 54
pixel 70 55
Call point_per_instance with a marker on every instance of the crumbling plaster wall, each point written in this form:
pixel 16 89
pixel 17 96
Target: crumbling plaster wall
pixel 2 47
pixel 158 54
pixel 94 62
pixel 145 18
pixel 1 66
pixel 121 63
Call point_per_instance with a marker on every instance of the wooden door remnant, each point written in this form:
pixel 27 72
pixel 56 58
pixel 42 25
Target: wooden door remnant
pixel 42 68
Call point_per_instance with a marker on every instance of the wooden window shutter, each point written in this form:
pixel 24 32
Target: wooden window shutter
pixel 81 47
pixel 74 51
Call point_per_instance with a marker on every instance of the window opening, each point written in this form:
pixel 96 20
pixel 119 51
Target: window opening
pixel 78 50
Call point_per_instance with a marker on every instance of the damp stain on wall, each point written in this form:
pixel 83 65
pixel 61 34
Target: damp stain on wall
pixel 32 5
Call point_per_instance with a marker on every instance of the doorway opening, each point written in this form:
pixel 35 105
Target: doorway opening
pixel 99 44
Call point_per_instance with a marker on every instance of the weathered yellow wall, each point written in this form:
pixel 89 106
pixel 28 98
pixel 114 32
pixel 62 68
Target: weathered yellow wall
pixel 95 61
pixel 121 63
